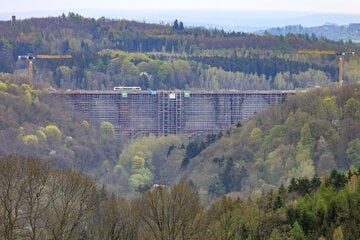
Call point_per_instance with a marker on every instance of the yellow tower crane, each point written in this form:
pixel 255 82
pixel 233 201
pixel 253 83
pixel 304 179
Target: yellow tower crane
pixel 31 58
pixel 340 56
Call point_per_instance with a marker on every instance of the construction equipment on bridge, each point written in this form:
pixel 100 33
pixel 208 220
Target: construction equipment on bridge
pixel 31 58
pixel 340 56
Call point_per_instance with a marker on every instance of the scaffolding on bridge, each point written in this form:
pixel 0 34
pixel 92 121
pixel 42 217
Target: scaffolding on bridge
pixel 171 112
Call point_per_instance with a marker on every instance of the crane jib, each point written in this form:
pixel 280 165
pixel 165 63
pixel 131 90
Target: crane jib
pixel 53 56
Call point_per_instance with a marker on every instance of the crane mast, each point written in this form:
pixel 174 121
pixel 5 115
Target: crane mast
pixel 341 64
pixel 340 56
pixel 31 59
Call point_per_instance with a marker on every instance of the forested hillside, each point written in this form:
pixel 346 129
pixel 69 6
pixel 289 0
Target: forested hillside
pixel 334 32
pixel 309 135
pixel 108 53
pixel 35 124
pixel 39 201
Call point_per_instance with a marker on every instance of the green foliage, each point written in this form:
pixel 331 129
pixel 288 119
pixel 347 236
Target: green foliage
pixel 53 133
pixel 353 152
pixel 30 140
pixel 256 136
pixel 139 178
pixel 3 86
pixel 279 201
pixel 216 187
pixel 275 235
pixel 329 110
pixel 337 180
pixel 41 135
pixel 232 176
pixel 278 164
pixel 138 163
pixel 352 109
pixel 14 89
pixel 105 127
pixel 107 131
pixel 149 157
pixel 338 234
pixel 276 132
pixel 306 139
pixel 326 163
pixel 196 146
pixel 28 97
pixel 311 78
pixel 224 219
pixel 85 124
pixel 296 232
pixel 304 185
pixel 294 123
pixel 280 81
pixel 304 165
pixel 321 212
pixel 140 148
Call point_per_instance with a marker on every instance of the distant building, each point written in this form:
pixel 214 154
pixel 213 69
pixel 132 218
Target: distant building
pixel 13 19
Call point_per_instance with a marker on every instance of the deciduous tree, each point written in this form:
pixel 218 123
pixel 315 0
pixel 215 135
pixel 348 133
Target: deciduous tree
pixel 170 214
pixel 12 196
pixel 71 204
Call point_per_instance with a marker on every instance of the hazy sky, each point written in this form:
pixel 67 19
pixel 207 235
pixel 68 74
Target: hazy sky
pixel 332 6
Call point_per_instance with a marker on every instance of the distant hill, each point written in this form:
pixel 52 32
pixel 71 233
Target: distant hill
pixel 107 53
pixel 330 31
pixel 243 21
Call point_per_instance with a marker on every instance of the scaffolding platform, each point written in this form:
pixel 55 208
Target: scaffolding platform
pixel 139 113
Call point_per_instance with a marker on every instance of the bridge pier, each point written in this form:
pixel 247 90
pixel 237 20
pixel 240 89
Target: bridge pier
pixel 171 112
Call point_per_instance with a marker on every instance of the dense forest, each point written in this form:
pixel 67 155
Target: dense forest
pixel 38 201
pixel 108 53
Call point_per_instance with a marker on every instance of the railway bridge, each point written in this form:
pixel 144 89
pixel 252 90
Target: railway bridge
pixel 136 113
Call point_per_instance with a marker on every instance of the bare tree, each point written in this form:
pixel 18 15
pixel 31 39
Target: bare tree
pixel 71 204
pixel 170 214
pixel 35 201
pixel 12 177
pixel 116 219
